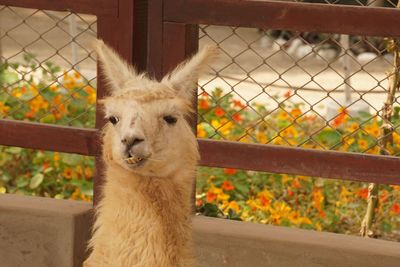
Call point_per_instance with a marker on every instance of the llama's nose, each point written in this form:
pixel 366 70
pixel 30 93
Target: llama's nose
pixel 130 142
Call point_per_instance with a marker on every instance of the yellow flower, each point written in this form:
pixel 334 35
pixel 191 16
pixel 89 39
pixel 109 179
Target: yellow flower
pixel 3 190
pixel 67 173
pixel 91 98
pixel 362 143
pixel 3 108
pixel 76 194
pixel 289 132
pixel 279 211
pixel 223 127
pixel 88 173
pixel 373 130
pixel 200 131
pixel 77 75
pixel 283 115
pixel 261 137
pixel 56 156
pixel 353 127
pixel 233 205
pixel 278 141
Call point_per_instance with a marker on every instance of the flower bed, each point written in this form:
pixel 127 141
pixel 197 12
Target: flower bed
pixel 287 200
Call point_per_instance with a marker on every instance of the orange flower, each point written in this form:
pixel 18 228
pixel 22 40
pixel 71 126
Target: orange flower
pixel 396 208
pixel 296 183
pixel 237 117
pixel 230 171
pixel 211 196
pixel 30 115
pixel 204 94
pixel 46 165
pixel 363 193
pixel 67 173
pixel 340 119
pixel 227 186
pixel 383 196
pixel 88 173
pixel 219 112
pixel 288 94
pixel 199 202
pixel 238 104
pixel 290 193
pixel 264 200
pixel 296 112
pixel 204 104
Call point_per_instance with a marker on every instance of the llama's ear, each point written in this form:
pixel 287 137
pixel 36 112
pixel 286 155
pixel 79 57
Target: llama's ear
pixel 184 77
pixel 115 69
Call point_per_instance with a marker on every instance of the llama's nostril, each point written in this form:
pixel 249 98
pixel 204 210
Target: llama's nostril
pixel 137 141
pixel 131 142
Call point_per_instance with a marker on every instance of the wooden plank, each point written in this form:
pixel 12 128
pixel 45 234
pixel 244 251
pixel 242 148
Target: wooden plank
pixel 49 137
pixel 309 162
pixel 303 17
pixel 155 37
pixel 98 7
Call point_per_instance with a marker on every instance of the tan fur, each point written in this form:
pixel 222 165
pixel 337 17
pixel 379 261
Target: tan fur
pixel 143 218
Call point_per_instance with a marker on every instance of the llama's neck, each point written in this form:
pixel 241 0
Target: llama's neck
pixel 158 206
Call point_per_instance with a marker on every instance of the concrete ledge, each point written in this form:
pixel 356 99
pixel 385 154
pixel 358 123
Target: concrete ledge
pixel 231 243
pixel 43 232
pixel 48 232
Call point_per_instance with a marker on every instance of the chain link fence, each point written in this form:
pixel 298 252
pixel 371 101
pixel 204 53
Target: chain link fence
pixel 47 67
pixel 312 90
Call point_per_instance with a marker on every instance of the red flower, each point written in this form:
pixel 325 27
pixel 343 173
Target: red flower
pixel 296 183
pixel 211 196
pixel 363 193
pixel 340 119
pixel 290 193
pixel 219 112
pixel 205 94
pixel 238 103
pixel 237 117
pixel 287 94
pixel 230 171
pixel 203 104
pixel 396 208
pixel 264 201
pixel 227 186
pixel 322 214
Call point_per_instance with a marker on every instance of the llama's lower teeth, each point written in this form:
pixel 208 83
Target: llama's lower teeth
pixel 133 160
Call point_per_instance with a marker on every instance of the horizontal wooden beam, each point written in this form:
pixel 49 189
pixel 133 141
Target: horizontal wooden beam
pixel 309 162
pixel 49 137
pixel 225 154
pixel 303 17
pixel 97 7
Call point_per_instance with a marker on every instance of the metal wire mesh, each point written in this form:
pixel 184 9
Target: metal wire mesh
pixel 312 90
pixel 48 71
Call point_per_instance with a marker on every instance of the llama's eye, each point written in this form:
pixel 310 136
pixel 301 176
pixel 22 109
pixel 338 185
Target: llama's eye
pixel 113 119
pixel 170 119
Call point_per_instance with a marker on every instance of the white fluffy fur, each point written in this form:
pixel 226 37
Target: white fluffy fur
pixel 143 218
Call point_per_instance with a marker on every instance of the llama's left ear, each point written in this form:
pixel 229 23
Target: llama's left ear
pixel 116 70
pixel 184 77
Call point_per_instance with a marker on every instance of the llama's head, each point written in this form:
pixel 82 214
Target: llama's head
pixel 147 131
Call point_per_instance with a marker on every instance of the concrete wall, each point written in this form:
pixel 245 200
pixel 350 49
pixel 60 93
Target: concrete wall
pixel 48 232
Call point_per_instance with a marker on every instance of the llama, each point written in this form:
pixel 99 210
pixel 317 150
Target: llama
pixel 150 152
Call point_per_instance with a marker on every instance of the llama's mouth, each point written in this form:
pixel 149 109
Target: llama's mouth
pixel 134 160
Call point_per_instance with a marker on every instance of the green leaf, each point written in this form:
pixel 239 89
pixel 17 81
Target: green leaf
pixel 36 181
pixel 14 150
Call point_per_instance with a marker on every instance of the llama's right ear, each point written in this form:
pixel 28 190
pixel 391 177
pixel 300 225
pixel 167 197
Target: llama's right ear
pixel 184 77
pixel 115 69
